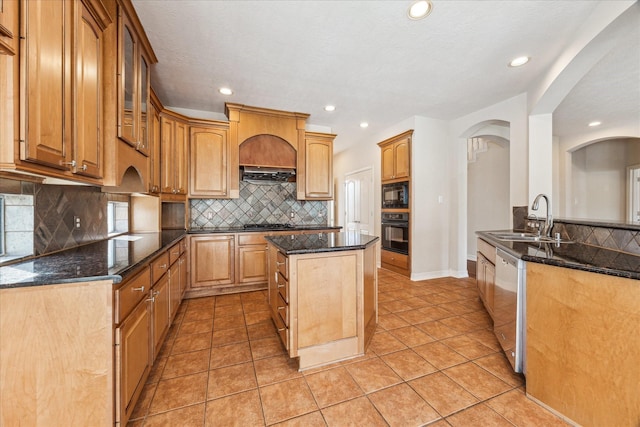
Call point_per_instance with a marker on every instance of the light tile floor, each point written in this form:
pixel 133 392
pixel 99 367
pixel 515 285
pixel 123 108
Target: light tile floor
pixel 433 360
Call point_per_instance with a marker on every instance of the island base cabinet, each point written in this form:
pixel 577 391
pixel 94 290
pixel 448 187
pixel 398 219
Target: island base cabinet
pixel 56 355
pixel 324 305
pixel 582 345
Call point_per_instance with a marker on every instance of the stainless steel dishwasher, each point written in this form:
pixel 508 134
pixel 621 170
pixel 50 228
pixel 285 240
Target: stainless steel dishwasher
pixel 509 307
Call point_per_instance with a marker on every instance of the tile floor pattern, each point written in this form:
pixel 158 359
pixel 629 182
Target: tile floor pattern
pixel 433 361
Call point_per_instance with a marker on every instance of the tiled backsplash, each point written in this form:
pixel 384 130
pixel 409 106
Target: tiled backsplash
pixel 258 203
pixel 611 236
pixel 616 238
pixel 56 207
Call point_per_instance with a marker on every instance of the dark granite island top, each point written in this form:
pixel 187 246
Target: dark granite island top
pixel 321 242
pixel 574 255
pixel 111 259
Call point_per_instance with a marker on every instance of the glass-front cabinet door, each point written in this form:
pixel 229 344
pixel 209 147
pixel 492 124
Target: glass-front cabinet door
pixel 128 97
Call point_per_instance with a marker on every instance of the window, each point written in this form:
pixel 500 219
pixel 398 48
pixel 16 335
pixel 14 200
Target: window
pixel 117 217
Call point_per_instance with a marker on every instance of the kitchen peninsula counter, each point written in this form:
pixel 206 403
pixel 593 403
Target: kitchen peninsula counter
pixel 111 259
pixel 243 229
pixel 574 255
pixel 323 294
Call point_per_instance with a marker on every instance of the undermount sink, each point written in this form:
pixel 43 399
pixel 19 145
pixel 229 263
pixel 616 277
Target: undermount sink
pixel 514 236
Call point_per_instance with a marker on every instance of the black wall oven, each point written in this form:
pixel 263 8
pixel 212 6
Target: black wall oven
pixel 395 196
pixel 395 232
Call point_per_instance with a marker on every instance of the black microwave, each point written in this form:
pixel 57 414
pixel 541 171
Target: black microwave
pixel 396 195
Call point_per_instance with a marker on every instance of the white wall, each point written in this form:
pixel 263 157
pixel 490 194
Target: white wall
pixel 513 111
pixel 598 179
pixel 488 194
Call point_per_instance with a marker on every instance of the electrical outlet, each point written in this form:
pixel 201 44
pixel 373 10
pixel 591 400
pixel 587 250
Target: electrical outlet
pixel 76 221
pixel 209 215
pixel 291 214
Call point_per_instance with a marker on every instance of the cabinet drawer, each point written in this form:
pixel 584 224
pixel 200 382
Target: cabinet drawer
pixel 283 287
pixel 489 251
pixel 252 239
pixel 283 310
pixel 174 253
pixel 159 266
pixel 282 264
pixel 131 293
pixel 283 331
pixel 398 260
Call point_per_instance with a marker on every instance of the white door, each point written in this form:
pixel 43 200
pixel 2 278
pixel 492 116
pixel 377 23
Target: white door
pixel 359 201
pixel 634 194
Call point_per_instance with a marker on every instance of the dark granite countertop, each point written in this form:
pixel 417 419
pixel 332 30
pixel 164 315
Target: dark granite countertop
pixel 294 244
pixel 242 229
pixel 577 256
pixel 111 259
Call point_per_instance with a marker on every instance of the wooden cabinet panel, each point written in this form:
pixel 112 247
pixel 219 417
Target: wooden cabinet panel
pixel 485 279
pixel 401 158
pixel 133 360
pixel 212 260
pixel 159 266
pixel 131 293
pixel 8 27
pixel 88 96
pixel 208 154
pixel 173 162
pixel 326 312
pixel 388 169
pixel 153 136
pixel 46 82
pixel 161 313
pixel 318 175
pixel 252 263
pixel 582 344
pixel 184 275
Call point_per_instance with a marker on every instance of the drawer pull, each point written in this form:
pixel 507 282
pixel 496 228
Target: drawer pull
pixel 163 266
pixel 175 253
pixel 281 308
pixel 280 286
pixel 156 293
pixel 152 299
pixel 140 289
pixel 281 329
pixel 280 263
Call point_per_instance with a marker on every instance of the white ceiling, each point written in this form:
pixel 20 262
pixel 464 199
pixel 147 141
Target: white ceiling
pixel 373 63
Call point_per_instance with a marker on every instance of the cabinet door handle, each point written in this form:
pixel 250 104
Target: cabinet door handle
pixel 280 263
pixel 163 266
pixel 281 308
pixel 280 286
pixel 281 329
pixel 175 253
pixel 156 293
pixel 140 289
pixel 152 299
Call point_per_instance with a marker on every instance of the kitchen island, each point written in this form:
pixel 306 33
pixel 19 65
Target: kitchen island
pixel 323 294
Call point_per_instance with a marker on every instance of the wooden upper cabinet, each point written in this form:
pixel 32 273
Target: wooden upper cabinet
pixel 133 86
pixel 318 172
pixel 46 56
pixel 153 137
pixel 208 156
pixel 396 157
pixel 88 95
pixel 173 155
pixel 8 27
pixel 62 88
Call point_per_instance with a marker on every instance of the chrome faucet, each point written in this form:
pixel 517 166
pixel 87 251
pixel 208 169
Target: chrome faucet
pixel 549 222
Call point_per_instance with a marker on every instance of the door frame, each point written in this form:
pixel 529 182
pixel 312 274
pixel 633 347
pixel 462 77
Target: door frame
pixel 631 187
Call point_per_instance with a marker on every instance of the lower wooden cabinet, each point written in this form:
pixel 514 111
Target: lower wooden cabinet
pixel 395 262
pixel 212 261
pixel 486 274
pixel 133 360
pixel 161 312
pixel 228 263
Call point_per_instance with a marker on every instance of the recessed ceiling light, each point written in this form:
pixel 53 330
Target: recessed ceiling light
pixel 517 62
pixel 330 108
pixel 226 91
pixel 419 9
pixel 594 124
pixel 364 125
